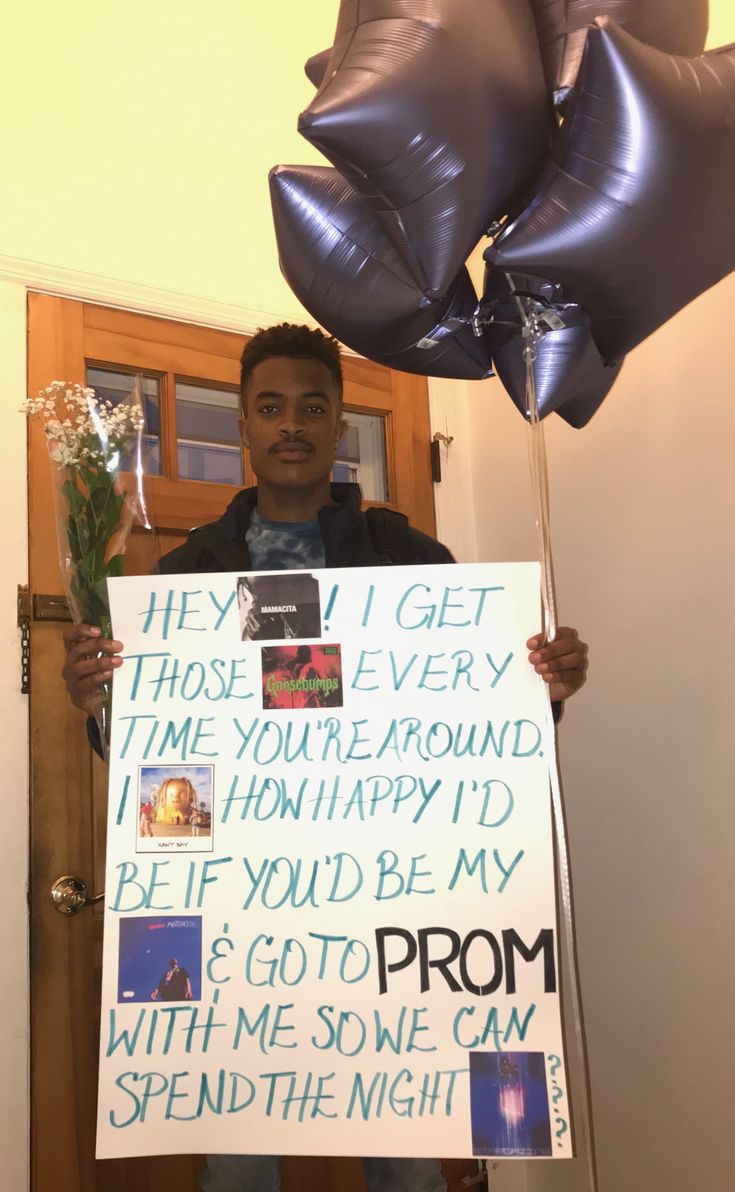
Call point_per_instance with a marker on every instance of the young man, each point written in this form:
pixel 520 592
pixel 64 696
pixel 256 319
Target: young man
pixel 291 387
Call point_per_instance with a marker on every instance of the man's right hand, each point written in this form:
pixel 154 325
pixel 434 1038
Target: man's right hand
pixel 90 661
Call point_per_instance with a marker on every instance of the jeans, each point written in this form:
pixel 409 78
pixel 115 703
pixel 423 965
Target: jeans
pixel 262 1173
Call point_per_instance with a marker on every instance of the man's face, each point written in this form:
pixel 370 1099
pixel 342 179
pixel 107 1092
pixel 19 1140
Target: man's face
pixel 293 422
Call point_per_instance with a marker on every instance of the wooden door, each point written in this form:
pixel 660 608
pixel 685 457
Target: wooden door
pixel 66 340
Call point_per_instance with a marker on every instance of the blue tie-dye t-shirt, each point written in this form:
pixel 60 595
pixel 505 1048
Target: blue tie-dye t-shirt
pixel 284 546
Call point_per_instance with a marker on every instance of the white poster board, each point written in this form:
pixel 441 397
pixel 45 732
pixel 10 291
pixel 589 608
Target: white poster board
pixel 330 921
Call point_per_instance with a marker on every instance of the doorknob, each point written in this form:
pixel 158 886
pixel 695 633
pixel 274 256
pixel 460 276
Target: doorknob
pixel 69 895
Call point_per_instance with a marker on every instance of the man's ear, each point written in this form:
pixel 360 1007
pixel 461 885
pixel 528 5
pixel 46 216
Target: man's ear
pixel 243 425
pixel 340 429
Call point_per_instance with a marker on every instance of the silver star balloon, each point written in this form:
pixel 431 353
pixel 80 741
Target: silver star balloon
pixel 342 267
pixel 436 112
pixel 633 216
pixel 570 377
pixel 315 67
pixel 677 26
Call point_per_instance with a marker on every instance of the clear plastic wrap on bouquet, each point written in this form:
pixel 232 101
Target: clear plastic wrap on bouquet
pixel 97 453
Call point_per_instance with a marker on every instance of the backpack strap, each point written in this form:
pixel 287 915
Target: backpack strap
pixel 391 535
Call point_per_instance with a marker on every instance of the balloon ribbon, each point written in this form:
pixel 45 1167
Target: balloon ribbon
pixel 533 331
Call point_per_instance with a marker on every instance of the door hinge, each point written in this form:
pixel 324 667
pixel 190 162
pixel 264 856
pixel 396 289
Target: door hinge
pixel 24 624
pixel 36 608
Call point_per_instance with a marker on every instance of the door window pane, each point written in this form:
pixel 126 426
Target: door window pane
pixel 360 455
pixel 208 434
pixel 115 386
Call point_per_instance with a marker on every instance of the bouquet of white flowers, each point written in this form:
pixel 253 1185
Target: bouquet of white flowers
pixel 91 444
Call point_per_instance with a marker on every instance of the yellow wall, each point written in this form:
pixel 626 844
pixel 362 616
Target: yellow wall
pixel 721 23
pixel 137 138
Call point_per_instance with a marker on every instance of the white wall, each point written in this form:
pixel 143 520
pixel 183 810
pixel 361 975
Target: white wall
pixel 14 739
pixel 643 509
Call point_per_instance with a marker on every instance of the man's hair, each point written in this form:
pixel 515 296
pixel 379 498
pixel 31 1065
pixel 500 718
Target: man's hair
pixel 295 342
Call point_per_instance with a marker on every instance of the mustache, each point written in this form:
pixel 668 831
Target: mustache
pixel 289 444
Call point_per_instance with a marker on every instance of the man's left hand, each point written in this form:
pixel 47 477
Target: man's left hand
pixel 561 663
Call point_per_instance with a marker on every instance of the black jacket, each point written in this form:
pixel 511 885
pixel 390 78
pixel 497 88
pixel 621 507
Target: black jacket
pixel 351 538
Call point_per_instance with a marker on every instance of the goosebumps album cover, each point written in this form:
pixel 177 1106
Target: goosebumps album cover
pixel 276 607
pixel 302 677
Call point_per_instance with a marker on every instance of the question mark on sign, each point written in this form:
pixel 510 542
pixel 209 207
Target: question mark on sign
pixel 563 1127
pixel 557 1094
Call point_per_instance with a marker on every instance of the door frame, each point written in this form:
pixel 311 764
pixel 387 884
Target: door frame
pixel 69 1119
